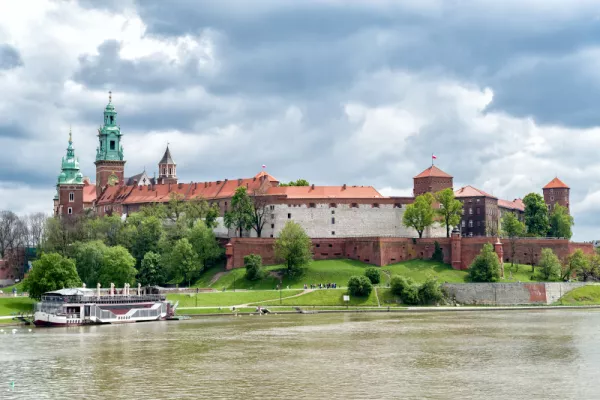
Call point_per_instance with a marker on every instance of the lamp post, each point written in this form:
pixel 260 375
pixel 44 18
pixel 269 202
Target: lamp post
pixel 280 284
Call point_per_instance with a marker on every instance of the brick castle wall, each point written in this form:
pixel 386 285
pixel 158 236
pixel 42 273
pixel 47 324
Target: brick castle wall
pixel 384 251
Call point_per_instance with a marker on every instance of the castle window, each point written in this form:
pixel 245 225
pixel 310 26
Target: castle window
pixel 289 216
pixel 470 223
pixel 333 220
pixel 470 211
pixel 71 197
pixel 272 208
pixel 397 205
pixel 375 205
pixel 312 205
pixel 112 144
pixel 164 171
pixel 332 205
pixel 333 233
pixel 463 223
pixel 478 211
pixel 332 212
pixel 70 210
pixel 272 226
pixel 354 205
pixel 551 198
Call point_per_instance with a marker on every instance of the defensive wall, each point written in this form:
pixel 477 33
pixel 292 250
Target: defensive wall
pixel 508 293
pixel 457 251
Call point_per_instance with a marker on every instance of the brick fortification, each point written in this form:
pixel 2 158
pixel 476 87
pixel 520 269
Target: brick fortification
pixel 458 251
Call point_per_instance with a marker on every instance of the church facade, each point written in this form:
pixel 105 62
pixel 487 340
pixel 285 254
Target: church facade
pixel 323 211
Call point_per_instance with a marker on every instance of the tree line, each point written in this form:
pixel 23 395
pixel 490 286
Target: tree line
pixel 539 221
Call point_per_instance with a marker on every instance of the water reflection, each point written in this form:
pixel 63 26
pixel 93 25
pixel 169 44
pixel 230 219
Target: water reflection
pixel 527 354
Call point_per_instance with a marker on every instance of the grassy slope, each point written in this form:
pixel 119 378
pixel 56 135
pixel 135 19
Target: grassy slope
pixel 228 298
pixel 8 289
pixel 586 295
pixel 11 305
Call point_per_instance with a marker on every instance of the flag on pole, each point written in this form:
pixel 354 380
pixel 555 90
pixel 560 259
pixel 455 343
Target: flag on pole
pixel 434 157
pixel 264 166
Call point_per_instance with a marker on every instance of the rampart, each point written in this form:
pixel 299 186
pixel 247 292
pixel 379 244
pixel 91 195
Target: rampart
pixel 457 251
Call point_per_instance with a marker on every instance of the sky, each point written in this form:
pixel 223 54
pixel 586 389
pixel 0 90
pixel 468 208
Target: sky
pixel 505 94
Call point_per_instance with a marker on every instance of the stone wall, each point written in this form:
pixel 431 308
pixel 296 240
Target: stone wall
pixel 383 251
pixel 508 293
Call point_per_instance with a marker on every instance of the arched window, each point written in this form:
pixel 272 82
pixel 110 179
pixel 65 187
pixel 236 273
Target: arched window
pixel 71 197
pixel 170 171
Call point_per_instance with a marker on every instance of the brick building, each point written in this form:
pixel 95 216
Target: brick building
pixel 556 192
pixel 323 211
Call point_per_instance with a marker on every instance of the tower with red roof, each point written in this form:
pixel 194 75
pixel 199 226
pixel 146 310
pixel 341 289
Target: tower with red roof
pixel 431 180
pixel 556 192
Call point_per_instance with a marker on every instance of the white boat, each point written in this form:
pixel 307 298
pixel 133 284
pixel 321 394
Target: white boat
pixel 82 306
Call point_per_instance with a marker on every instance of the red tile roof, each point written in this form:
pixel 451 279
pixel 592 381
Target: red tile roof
pixel 556 184
pixel 434 172
pixel 322 192
pixel 516 204
pixel 89 192
pixel 470 191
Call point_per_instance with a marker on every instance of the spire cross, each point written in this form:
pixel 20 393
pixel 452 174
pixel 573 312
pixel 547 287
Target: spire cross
pixel 109 96
pixel 70 135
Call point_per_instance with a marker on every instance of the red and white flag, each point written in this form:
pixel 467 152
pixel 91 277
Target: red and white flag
pixel 433 157
pixel 264 166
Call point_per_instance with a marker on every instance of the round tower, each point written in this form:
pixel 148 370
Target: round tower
pixel 556 192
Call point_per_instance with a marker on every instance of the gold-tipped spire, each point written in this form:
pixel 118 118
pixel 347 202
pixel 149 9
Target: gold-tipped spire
pixel 70 135
pixel 110 96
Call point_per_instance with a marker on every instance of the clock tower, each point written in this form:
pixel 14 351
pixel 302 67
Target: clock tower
pixel 110 165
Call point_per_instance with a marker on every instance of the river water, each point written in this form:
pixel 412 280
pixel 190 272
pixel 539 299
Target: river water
pixel 458 355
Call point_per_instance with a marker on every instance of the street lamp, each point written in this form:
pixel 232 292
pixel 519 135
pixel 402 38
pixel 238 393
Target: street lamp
pixel 280 284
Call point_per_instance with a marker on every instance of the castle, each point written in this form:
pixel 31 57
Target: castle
pixel 323 211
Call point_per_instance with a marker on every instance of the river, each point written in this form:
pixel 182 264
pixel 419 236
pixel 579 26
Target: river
pixel 446 355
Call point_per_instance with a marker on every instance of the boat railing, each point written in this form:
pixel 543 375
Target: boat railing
pixel 116 299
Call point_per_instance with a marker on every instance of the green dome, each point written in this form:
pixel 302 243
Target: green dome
pixel 110 107
pixel 62 177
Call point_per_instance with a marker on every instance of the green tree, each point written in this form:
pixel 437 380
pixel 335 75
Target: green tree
pixel 419 215
pixel 299 182
pixel 359 286
pixel 438 254
pixel 204 243
pixel 158 210
pixel 450 209
pixel 184 260
pixel 549 266
pixel 536 215
pixel 88 257
pixel 592 271
pixel 144 235
pixel 373 274
pixel 293 247
pixel 107 229
pixel 410 294
pixel 199 209
pixel 118 267
pixel 430 292
pixel 260 212
pixel 576 264
pixel 486 266
pixel 513 228
pixel 240 214
pixel 399 283
pixel 51 272
pixel 253 264
pixel 561 222
pixel 151 272
pixel 176 206
pixel 61 232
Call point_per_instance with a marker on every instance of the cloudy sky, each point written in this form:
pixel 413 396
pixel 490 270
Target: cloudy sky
pixel 505 93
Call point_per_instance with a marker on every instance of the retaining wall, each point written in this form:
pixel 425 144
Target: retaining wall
pixel 508 293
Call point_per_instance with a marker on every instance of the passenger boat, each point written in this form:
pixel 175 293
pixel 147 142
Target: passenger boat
pixel 83 306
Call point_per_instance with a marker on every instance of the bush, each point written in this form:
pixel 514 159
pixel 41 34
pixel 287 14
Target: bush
pixel 398 283
pixel 373 274
pixel 438 254
pixel 410 295
pixel 430 292
pixel 253 264
pixel 550 268
pixel 359 286
pixel 486 266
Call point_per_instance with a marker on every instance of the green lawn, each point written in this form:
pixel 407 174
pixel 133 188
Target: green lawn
pixel 228 298
pixel 326 297
pixel 11 305
pixel 583 296
pixel 8 289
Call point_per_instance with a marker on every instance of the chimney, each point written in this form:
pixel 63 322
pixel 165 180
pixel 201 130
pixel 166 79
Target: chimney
pixel 139 188
pixel 312 187
pixel 239 182
pixel 135 182
pixel 179 185
pixel 169 187
pixel 344 187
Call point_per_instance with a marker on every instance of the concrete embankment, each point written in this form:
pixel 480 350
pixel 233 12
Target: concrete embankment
pixel 506 294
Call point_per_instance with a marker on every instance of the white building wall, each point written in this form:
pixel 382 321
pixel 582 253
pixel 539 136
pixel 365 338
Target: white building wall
pixel 364 220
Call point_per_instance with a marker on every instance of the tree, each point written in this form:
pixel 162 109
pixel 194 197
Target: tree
pixel 118 267
pixel 253 264
pixel 259 212
pixel 561 222
pixel 199 209
pixel 151 272
pixel 175 207
pixel 107 229
pixel 549 266
pixel 240 215
pixel 36 224
pixel 486 266
pixel 292 247
pixel 373 274
pixel 204 243
pixel 410 294
pixel 184 260
pixel 592 271
pixel 419 215
pixel 438 254
pixel 88 257
pixel 61 232
pixel 158 210
pixel 450 209
pixel 513 228
pixel 430 292
pixel 143 234
pixel 12 231
pixel 576 263
pixel 399 283
pixel 536 215
pixel 359 286
pixel 51 272
pixel 299 182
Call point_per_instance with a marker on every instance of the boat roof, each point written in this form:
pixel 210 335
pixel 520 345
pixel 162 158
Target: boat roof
pixel 70 292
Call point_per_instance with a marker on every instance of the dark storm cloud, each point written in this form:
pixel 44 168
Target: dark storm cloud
pixel 9 57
